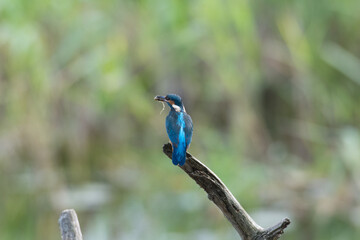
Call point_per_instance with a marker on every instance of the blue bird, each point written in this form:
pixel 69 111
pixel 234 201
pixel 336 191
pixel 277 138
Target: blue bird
pixel 179 127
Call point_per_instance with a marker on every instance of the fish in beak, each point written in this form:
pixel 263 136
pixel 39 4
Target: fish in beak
pixel 160 99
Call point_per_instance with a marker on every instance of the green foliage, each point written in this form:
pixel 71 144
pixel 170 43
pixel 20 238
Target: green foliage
pixel 272 87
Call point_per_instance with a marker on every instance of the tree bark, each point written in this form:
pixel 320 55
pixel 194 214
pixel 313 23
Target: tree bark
pixel 69 225
pixel 226 202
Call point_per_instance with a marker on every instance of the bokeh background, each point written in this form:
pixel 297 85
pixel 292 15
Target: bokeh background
pixel 273 88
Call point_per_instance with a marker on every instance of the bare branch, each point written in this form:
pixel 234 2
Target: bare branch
pixel 69 225
pixel 226 202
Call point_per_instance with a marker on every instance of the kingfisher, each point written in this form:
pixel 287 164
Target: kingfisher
pixel 179 127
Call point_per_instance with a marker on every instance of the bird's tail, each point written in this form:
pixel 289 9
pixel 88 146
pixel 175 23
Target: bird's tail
pixel 179 154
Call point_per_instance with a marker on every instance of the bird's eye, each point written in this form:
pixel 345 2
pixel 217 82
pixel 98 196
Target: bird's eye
pixel 167 98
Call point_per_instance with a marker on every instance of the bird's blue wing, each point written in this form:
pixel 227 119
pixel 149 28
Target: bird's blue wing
pixel 173 128
pixel 188 129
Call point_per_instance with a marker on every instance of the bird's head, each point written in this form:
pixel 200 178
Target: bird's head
pixel 173 100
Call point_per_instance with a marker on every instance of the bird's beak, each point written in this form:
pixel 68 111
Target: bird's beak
pixel 160 98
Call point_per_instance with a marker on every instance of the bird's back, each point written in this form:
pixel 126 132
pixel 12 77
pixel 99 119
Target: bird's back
pixel 179 128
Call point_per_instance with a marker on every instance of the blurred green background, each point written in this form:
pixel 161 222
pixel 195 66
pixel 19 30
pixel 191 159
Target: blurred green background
pixel 273 88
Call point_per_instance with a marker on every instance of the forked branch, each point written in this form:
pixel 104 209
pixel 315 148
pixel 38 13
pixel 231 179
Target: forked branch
pixel 226 202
